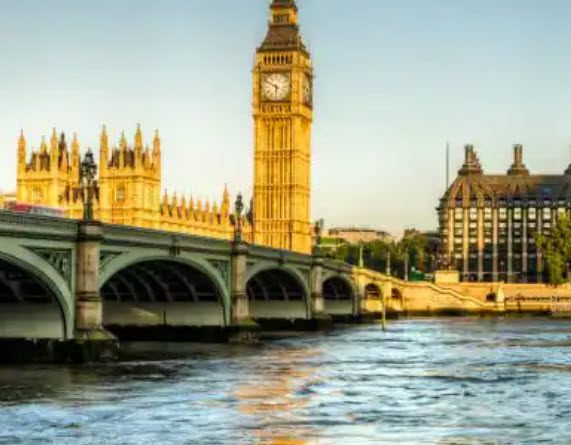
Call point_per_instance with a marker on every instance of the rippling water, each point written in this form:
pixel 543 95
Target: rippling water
pixel 425 381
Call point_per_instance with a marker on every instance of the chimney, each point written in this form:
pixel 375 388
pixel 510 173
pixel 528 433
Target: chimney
pixel 471 161
pixel 518 167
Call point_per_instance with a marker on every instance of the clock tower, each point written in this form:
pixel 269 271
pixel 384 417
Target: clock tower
pixel 283 116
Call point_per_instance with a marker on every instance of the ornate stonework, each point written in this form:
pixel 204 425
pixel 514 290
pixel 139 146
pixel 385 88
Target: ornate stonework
pixel 128 188
pixel 283 117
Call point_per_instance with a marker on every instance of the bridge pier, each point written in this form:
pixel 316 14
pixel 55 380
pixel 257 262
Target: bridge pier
pixel 321 319
pixel 243 328
pixel 91 341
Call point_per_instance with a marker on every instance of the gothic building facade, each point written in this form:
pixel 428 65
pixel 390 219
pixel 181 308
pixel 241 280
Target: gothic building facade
pixel 488 222
pixel 128 188
pixel 129 183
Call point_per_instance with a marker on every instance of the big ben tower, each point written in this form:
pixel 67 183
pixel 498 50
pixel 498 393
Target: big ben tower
pixel 283 116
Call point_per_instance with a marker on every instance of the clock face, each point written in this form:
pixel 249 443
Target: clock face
pixel 276 86
pixel 307 90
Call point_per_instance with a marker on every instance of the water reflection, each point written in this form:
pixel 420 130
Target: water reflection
pixel 449 381
pixel 276 393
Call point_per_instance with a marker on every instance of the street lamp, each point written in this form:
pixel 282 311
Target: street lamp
pixel 239 206
pixel 88 172
pixel 317 230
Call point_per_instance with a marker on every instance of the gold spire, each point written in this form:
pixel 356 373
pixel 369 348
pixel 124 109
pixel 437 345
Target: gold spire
pixel 123 142
pixel 54 143
pixel 138 138
pixel 104 139
pixel 156 142
pixel 43 146
pixel 22 144
pixel 75 146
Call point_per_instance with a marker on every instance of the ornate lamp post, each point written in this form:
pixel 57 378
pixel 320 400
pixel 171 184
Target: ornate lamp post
pixel 388 269
pixel 317 230
pixel 239 206
pixel 88 172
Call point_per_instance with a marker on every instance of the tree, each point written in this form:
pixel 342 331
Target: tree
pixel 556 249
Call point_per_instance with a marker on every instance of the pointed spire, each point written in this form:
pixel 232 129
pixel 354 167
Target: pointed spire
pixel 43 146
pixel 165 202
pixel 22 146
pixel 225 206
pixel 156 142
pixel 283 32
pixel 123 142
pixel 147 157
pixel 75 147
pixel 138 138
pixel 54 143
pixel 104 140
pixel 284 4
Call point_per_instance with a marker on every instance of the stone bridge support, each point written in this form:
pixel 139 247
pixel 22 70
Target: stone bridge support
pixel 92 341
pixel 322 320
pixel 242 325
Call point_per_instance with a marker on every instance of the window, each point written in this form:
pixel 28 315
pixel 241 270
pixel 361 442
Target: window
pixel 281 18
pixel 546 214
pixel 531 214
pixel 473 214
pixel 37 195
pixel 458 214
pixel 120 194
pixel 503 213
pixel 517 213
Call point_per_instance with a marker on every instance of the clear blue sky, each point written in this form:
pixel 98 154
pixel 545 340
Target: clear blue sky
pixel 396 79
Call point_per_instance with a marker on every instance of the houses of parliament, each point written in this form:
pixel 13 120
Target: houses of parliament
pixel 129 183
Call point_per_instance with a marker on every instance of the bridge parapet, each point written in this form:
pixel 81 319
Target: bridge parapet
pixel 37 226
pixel 100 274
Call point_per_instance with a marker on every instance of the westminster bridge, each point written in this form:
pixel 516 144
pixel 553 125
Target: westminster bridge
pixel 79 281
pixel 76 287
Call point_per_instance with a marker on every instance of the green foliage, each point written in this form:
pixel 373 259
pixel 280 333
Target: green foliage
pixel 556 249
pixel 375 253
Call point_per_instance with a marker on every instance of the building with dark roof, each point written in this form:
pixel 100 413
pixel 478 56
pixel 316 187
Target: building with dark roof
pixel 488 223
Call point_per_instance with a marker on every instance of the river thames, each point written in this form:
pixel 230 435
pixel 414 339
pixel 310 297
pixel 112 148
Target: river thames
pixel 425 381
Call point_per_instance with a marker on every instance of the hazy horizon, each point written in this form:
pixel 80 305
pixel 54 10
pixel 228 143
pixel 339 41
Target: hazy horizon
pixel 396 80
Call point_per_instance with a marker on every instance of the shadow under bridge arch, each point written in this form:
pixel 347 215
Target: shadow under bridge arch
pixel 338 296
pixel 161 293
pixel 372 303
pixel 31 304
pixel 277 294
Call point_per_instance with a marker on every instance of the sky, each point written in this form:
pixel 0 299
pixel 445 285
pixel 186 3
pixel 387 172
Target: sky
pixel 395 81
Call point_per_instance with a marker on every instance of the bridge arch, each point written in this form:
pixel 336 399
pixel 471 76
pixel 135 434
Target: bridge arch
pixel 339 296
pixel 372 302
pixel 373 292
pixel 154 291
pixel 277 292
pixel 35 301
